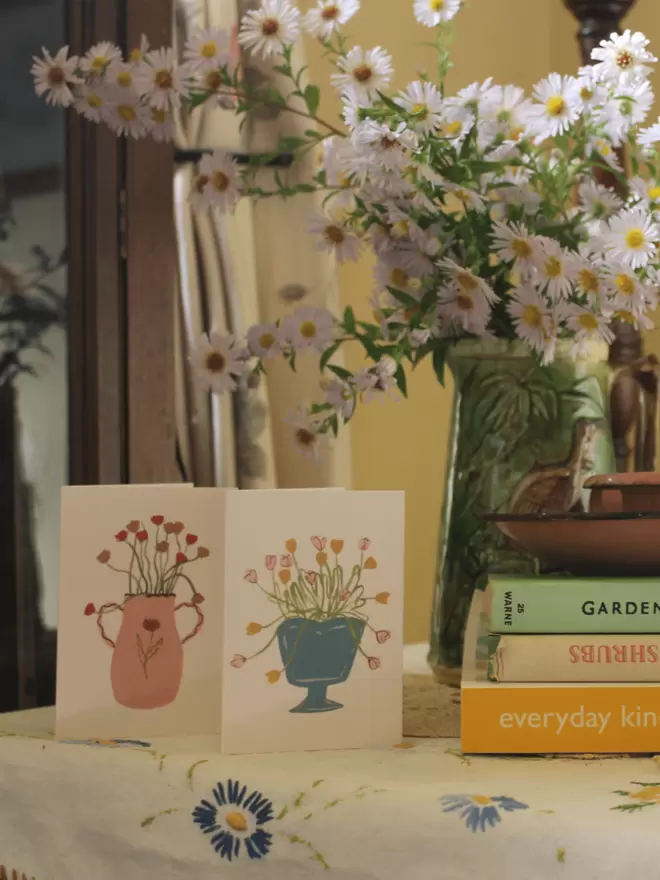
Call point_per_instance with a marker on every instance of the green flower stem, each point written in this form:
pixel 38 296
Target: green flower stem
pixel 265 648
pixel 122 571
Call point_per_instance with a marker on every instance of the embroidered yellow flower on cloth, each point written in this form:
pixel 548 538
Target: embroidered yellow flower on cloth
pixel 648 795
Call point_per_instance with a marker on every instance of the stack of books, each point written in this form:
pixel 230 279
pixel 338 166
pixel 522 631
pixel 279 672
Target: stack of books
pixel 562 664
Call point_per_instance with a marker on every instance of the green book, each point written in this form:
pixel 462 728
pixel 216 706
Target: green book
pixel 562 604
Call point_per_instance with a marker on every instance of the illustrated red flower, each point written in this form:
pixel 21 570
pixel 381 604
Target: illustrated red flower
pixel 374 662
pixel 142 535
pixel 133 526
pixel 191 539
pixel 271 562
pixel 169 528
pixel 150 624
pixel 90 609
pixel 286 560
pixel 158 520
pixel 178 527
pixel 181 557
pixel 251 576
pixel 103 557
pixel 365 543
pixel 382 635
pixel 203 552
pixel 319 543
pixel 197 599
pixel 121 536
pixel 162 546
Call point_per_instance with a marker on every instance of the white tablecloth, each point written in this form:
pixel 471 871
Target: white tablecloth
pixel 419 810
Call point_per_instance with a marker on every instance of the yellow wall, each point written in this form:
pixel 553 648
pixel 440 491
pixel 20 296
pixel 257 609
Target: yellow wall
pixel 403 445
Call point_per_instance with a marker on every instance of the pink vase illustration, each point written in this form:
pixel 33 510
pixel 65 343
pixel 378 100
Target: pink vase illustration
pixel 147 659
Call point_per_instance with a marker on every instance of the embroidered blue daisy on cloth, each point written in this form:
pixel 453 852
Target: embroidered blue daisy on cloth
pixel 479 810
pixel 235 819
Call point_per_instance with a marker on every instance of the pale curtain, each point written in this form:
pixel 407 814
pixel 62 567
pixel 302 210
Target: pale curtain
pixel 234 271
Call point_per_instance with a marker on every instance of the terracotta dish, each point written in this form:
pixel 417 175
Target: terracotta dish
pixel 586 543
pixel 631 492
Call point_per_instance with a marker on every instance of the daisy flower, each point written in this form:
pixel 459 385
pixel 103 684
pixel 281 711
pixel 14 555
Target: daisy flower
pixel 309 327
pixel 632 236
pixel 624 57
pixel 504 112
pixel 557 107
pixel 463 281
pixel 530 316
pixel 604 148
pixel 304 431
pixel 90 100
pixel 650 136
pixel 468 310
pixel 384 146
pixel 54 76
pixel 208 49
pixel 326 17
pixel 137 54
pixel 646 192
pixel 341 397
pixel 628 106
pixel 267 30
pixel 514 242
pixel 468 198
pixel 158 79
pixel 217 362
pixel 624 287
pixel 377 381
pixel 335 238
pixel 264 341
pixel 161 125
pixel 554 269
pixel 431 13
pixel 393 270
pixel 97 59
pixel 424 103
pixel 592 93
pixel 598 202
pixel 587 278
pixel 217 183
pixel 364 73
pixel 124 113
pixel 639 321
pixel 353 105
pixel 120 75
pixel 471 97
pixel 587 326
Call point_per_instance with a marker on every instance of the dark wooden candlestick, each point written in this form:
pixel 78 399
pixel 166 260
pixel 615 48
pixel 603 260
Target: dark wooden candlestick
pixel 635 388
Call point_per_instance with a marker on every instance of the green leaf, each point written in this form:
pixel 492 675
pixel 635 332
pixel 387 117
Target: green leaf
pixel 400 379
pixel 439 358
pixel 327 355
pixel 272 96
pixel 196 99
pixel 349 320
pixel 312 96
pixel 340 372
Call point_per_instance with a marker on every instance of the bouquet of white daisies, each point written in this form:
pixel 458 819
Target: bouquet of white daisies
pixel 483 208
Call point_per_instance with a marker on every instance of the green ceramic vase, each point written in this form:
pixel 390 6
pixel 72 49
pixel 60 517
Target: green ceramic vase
pixel 518 433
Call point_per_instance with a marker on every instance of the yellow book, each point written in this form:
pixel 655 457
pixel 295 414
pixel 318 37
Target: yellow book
pixel 571 717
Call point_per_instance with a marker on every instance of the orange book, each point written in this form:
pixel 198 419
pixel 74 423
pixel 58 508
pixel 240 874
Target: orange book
pixel 547 718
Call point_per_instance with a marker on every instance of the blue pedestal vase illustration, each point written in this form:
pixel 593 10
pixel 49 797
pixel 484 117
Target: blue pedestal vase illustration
pixel 317 655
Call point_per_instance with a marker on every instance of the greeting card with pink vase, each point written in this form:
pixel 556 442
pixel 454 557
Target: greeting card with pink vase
pixel 313 611
pixel 140 610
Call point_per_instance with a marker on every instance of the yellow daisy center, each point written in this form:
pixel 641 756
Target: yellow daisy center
pixel 94 101
pixel 159 116
pixel 124 79
pixel 482 800
pixel 464 302
pixel 270 27
pixel 399 277
pixel 99 63
pixel 136 55
pixel 420 110
pixel 266 341
pixel 625 316
pixel 586 93
pixel 208 50
pixel 220 181
pixel 363 73
pixel 588 281
pixel 236 821
pixel 516 133
pixel 334 234
pixel 401 228
pixel 634 238
pixel 553 267
pixel 531 315
pixel 213 80
pixel 127 112
pixel 200 182
pixel 521 248
pixel 555 105
pixel 625 284
pixel 308 329
pixel 330 12
pixel 588 321
pixel 163 79
pixel 466 281
pixel 454 128
pixel 215 362
pixel 624 60
pixel 56 76
pixel 437 5
pixel 654 193
pixel 305 438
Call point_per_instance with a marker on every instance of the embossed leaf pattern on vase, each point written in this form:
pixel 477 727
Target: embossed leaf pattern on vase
pixel 521 434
